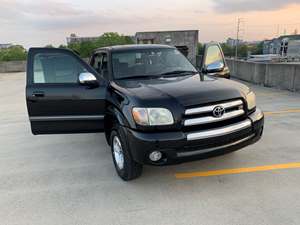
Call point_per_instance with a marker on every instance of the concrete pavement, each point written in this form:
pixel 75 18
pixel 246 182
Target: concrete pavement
pixel 70 179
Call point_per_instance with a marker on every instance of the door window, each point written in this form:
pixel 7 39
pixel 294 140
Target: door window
pixel 214 56
pixel 56 68
pixel 100 64
pixel 104 67
pixel 96 62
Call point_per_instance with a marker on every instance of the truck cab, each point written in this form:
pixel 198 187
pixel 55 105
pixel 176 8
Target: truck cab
pixel 153 105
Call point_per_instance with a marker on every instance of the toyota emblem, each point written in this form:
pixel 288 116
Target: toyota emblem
pixel 218 111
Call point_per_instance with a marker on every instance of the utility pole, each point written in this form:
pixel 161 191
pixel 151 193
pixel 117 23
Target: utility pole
pixel 240 20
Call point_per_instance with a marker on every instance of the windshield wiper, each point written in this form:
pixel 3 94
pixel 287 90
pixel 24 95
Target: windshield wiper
pixel 171 73
pixel 138 77
pixel 176 72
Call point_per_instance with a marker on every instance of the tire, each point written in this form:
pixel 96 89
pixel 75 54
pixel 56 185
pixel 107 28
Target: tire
pixel 129 169
pixel 107 137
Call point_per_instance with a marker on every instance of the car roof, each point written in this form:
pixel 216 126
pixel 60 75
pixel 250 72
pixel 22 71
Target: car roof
pixel 118 48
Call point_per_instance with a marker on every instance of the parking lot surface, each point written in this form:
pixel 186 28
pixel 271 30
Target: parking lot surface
pixel 70 179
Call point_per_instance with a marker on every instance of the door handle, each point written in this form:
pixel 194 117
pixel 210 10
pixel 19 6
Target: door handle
pixel 38 94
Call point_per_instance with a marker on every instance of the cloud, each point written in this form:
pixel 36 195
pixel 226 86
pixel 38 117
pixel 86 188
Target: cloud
pixel 31 22
pixel 44 15
pixel 58 16
pixel 233 6
pixel 37 23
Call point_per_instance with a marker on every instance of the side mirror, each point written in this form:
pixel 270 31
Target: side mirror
pixel 215 67
pixel 88 79
pixel 213 62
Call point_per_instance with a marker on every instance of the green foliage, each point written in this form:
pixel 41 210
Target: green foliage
pixel 228 51
pixel 49 46
pixel 85 49
pixel 62 46
pixel 243 50
pixel 14 53
pixel 257 49
pixel 200 49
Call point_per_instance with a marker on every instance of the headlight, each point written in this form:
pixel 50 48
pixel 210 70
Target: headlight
pixel 152 116
pixel 251 100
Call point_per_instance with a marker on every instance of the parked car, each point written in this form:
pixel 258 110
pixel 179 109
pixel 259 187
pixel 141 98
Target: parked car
pixel 152 104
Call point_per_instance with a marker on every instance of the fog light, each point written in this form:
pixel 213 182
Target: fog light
pixel 155 156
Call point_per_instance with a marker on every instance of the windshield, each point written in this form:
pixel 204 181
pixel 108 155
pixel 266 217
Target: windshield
pixel 149 63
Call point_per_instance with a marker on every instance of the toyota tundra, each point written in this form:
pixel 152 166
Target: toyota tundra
pixel 153 105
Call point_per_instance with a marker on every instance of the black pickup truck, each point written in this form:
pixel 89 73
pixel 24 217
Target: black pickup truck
pixel 152 104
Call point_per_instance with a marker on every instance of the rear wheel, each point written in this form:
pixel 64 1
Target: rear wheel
pixel 125 166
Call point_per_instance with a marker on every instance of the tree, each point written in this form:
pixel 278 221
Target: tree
pixel 228 50
pixel 257 49
pixel 62 46
pixel 243 51
pixel 85 49
pixel 49 46
pixel 200 49
pixel 16 52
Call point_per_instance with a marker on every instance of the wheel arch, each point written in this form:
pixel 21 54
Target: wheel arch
pixel 113 116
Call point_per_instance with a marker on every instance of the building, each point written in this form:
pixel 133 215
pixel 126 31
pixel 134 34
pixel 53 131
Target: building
pixel 293 50
pixel 76 39
pixel 4 46
pixel 286 46
pixel 267 46
pixel 185 41
pixel 233 42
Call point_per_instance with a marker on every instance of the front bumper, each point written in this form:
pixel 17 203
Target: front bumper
pixel 178 146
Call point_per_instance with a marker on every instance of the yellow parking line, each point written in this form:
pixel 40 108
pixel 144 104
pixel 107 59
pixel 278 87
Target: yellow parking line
pixel 282 112
pixel 237 170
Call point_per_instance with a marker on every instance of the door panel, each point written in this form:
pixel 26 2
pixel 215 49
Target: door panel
pixel 56 102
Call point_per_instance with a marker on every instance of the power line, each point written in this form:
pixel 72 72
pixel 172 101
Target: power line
pixel 239 29
pixel 215 24
pixel 268 25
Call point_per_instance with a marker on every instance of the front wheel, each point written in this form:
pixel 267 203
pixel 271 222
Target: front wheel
pixel 125 166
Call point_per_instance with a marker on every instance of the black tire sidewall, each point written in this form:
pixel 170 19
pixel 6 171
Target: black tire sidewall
pixel 131 169
pixel 120 172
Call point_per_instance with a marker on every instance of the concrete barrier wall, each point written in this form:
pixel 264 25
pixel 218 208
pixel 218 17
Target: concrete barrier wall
pixel 297 79
pixel 18 66
pixel 283 76
pixel 12 66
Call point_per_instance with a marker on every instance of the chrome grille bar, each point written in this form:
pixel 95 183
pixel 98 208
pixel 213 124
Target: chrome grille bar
pixel 192 153
pixel 211 119
pixel 220 131
pixel 210 108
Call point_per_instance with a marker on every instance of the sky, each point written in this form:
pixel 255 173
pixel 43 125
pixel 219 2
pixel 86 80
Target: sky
pixel 35 23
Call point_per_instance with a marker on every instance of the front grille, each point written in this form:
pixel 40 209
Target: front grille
pixel 202 118
pixel 217 141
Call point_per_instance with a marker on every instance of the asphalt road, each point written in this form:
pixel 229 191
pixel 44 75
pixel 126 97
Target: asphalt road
pixel 70 179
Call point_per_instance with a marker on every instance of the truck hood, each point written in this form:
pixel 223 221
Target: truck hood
pixel 186 90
